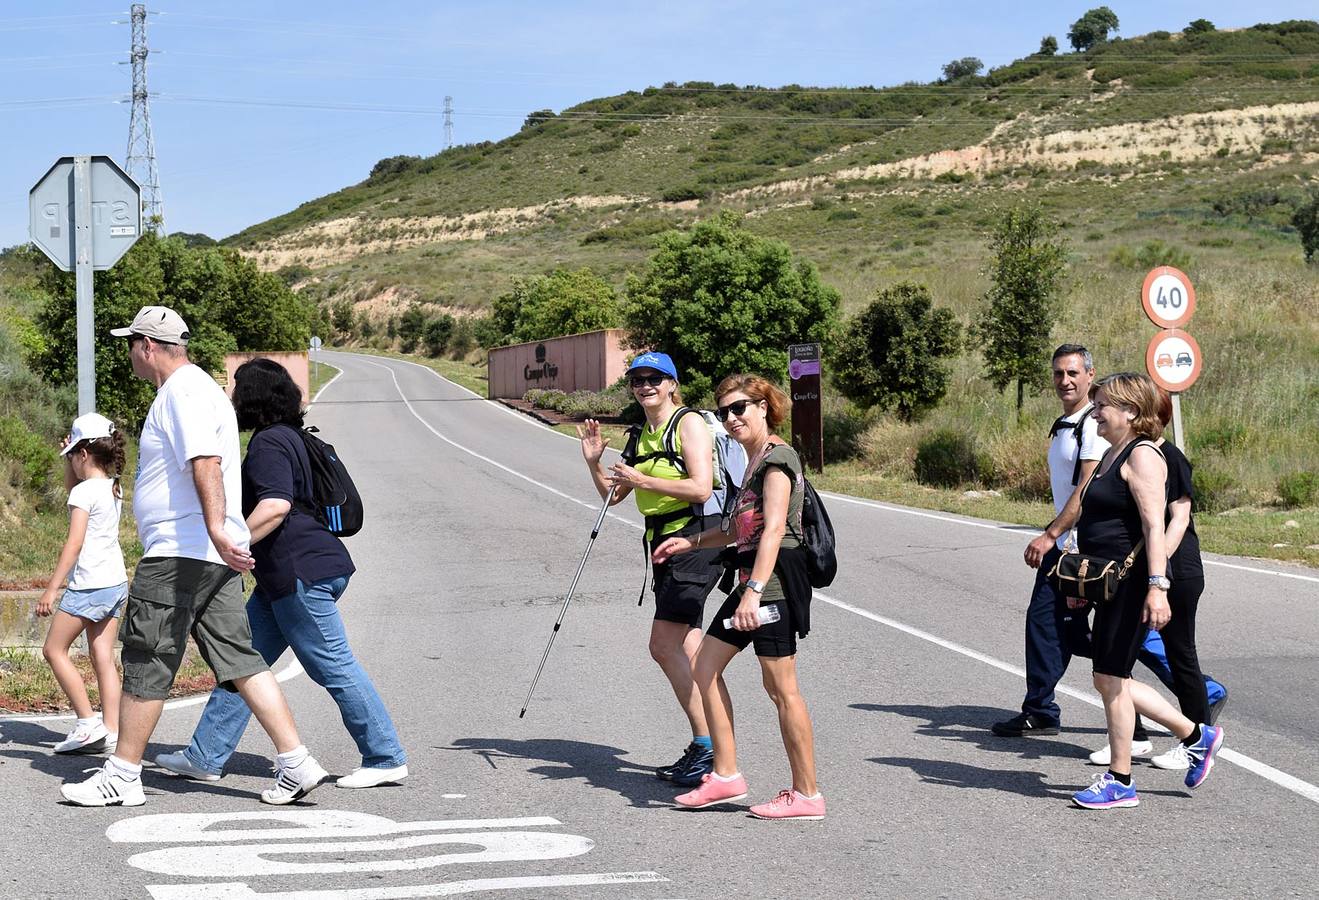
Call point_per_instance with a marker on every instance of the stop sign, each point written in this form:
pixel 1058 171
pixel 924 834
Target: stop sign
pixel 116 213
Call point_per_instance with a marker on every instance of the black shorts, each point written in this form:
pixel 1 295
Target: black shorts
pixel 683 583
pixel 1118 632
pixel 775 639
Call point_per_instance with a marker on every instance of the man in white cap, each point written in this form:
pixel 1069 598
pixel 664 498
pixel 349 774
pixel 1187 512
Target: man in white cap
pixel 188 505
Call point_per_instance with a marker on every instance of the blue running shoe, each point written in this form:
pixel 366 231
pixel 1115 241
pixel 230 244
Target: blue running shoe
pixel 1202 754
pixel 1106 793
pixel 700 764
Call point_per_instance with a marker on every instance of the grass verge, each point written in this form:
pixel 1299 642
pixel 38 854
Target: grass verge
pixel 27 685
pixel 469 375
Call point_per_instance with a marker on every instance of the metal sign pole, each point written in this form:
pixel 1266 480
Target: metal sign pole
pixel 82 200
pixel 1177 433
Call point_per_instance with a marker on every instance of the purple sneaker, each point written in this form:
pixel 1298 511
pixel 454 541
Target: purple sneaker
pixel 1106 793
pixel 1202 754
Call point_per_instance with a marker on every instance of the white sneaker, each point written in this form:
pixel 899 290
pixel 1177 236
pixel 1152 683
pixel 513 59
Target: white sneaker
pixel 105 788
pixel 366 778
pixel 84 739
pixel 294 783
pixel 178 764
pixel 1176 759
pixel 1104 756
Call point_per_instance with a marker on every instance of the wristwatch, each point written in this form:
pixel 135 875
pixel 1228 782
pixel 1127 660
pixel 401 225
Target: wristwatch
pixel 757 586
pixel 1161 582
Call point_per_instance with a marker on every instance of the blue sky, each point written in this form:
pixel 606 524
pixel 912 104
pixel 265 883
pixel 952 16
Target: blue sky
pixel 227 161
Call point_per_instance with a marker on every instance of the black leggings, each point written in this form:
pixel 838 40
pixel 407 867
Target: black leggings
pixel 1188 684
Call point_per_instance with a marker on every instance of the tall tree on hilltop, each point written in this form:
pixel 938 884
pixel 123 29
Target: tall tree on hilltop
pixel 1027 271
pixel 1092 28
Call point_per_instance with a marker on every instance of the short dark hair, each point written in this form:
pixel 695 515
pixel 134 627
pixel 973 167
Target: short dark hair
pixel 265 394
pixel 1075 350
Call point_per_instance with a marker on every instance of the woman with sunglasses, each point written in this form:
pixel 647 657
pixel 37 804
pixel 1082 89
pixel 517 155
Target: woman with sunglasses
pixel 670 497
pixel 766 527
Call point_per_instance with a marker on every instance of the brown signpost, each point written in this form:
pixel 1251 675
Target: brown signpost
pixel 804 387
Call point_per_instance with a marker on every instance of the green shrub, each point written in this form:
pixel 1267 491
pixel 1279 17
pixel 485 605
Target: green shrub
pixel 1150 254
pixel 843 430
pixel 1299 489
pixel 1215 490
pixel 685 192
pixel 36 457
pixel 1225 439
pixel 946 458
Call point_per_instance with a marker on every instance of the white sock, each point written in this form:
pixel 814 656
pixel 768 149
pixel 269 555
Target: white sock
pixel 292 758
pixel 125 770
pixel 726 778
pixel 816 796
pixel 90 720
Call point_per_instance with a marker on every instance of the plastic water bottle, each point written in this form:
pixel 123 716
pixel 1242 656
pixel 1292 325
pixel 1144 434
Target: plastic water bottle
pixel 767 613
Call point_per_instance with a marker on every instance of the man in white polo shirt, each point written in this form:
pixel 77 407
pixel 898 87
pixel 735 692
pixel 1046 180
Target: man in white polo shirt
pixel 1054 632
pixel 187 501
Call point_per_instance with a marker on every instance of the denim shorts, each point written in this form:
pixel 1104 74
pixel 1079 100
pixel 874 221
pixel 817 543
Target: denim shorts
pixel 95 604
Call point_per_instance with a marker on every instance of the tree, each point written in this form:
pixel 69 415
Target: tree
pixel 566 301
pixel 889 355
pixel 436 332
pixel 342 317
pixel 1048 45
pixel 1306 220
pixel 1199 26
pixel 1092 28
pixel 539 117
pixel 962 68
pixel 228 303
pixel 719 299
pixel 1027 272
pixel 410 326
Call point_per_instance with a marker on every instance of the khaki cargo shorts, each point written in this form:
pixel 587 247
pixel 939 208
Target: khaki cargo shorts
pixel 171 597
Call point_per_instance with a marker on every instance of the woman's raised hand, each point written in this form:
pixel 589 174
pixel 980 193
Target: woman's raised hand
pixel 593 445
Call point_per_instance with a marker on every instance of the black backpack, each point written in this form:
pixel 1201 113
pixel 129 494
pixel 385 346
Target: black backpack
pixel 335 501
pixel 818 538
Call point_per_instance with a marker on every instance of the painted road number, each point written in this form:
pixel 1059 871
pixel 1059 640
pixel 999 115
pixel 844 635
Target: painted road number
pixel 325 842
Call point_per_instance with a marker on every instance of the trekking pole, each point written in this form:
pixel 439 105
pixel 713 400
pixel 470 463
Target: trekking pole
pixel 599 520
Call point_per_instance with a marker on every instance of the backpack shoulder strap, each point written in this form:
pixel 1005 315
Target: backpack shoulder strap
pixel 1078 431
pixel 669 440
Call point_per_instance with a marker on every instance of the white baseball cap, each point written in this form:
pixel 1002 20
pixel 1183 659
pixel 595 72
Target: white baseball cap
pixel 157 322
pixel 88 427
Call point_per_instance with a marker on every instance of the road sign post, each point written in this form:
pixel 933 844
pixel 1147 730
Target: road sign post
pixel 804 386
pixel 315 348
pixel 1173 358
pixel 85 213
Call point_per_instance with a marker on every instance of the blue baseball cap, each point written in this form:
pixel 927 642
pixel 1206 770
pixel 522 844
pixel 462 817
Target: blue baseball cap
pixel 660 362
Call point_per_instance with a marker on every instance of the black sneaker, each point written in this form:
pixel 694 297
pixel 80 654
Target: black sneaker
pixel 1023 725
pixel 667 772
pixel 1216 709
pixel 700 765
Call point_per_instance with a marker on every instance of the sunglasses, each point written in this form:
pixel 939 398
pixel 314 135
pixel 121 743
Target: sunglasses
pixel 652 380
pixel 737 407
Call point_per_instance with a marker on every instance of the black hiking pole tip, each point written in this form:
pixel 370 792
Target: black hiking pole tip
pixel 595 530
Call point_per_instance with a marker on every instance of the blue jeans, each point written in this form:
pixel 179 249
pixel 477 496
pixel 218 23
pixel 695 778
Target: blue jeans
pixel 1054 634
pixel 308 621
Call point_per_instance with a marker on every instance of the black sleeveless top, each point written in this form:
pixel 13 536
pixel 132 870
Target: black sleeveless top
pixel 1109 525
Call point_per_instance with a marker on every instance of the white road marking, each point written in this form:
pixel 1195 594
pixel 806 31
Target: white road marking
pixel 1263 770
pixel 251 860
pixel 295 824
pixel 240 891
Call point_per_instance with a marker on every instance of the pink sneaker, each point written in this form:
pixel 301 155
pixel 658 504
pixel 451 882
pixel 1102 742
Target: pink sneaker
pixel 712 792
pixel 790 805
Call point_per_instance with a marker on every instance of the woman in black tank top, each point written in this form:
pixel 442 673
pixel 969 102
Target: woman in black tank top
pixel 1123 507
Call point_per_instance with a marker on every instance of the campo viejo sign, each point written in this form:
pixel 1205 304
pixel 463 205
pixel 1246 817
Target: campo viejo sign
pixel 542 369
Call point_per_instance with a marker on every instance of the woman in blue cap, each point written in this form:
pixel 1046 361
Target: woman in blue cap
pixel 670 489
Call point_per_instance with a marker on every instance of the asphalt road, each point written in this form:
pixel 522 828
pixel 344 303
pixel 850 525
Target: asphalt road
pixel 476 520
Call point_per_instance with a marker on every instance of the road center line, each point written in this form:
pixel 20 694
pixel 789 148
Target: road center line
pixel 1263 770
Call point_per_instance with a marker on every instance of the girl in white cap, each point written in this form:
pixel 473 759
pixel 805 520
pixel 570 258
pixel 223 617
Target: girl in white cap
pixel 97 582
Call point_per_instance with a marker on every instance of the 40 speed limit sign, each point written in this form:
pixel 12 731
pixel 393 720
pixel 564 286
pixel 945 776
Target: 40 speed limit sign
pixel 1168 297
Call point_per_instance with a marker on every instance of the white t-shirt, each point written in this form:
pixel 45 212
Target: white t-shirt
pixel 1062 458
pixel 190 417
pixel 101 562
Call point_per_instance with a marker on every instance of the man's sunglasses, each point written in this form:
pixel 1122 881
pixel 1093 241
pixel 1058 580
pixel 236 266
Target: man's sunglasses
pixel 737 407
pixel 652 380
